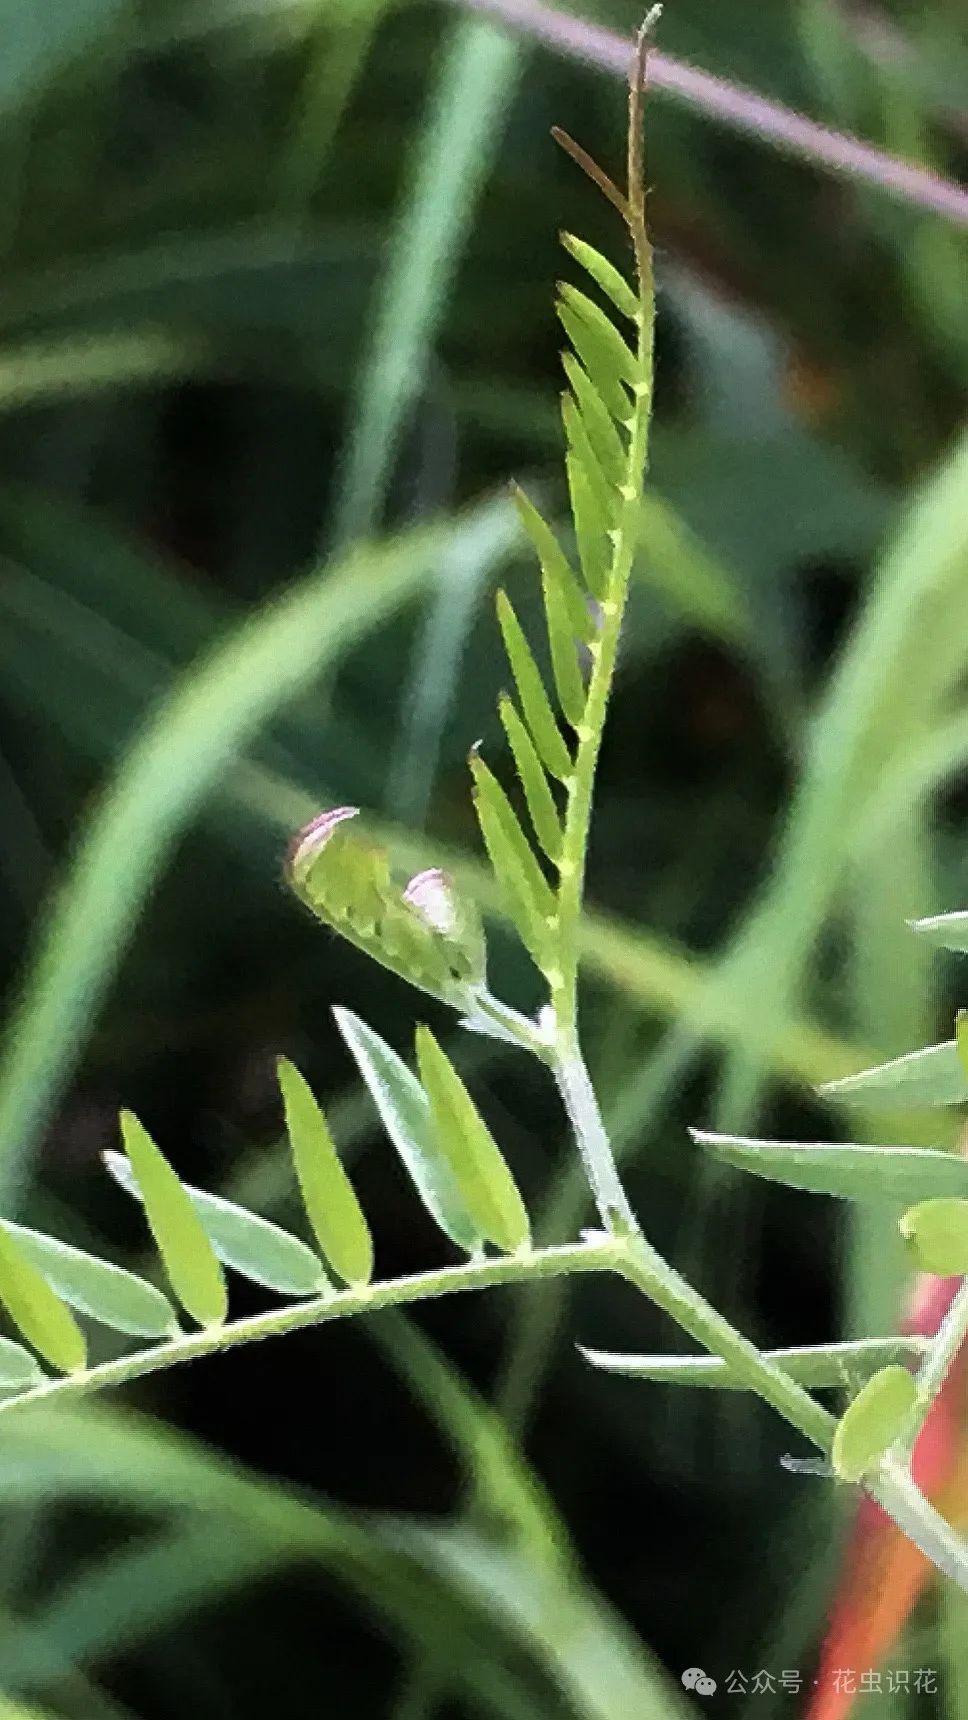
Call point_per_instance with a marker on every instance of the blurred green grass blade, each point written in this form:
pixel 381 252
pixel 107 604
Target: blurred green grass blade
pixel 849 1172
pixel 336 52
pixel 37 1311
pixel 192 1269
pixel 605 1670
pixel 249 1244
pixel 331 1204
pixel 435 675
pixel 932 1076
pixel 404 1110
pixel 96 1287
pixel 476 1162
pixel 813 1365
pixel 505 1489
pixel 460 133
pixel 203 727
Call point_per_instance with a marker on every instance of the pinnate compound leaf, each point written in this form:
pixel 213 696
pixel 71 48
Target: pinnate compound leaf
pixel 535 704
pixel 97 1287
pixel 250 1245
pixel 936 1232
pixel 191 1266
pixel 950 931
pixel 481 1172
pixel 36 1311
pixel 811 1365
pixel 871 1424
pixel 525 891
pixel 19 1370
pixel 605 275
pixel 934 1076
pixel 334 1212
pixel 537 793
pixel 405 1113
pixel 847 1171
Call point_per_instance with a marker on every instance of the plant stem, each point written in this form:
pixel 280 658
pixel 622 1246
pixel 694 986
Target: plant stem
pixel 581 1104
pixel 943 1349
pixel 644 1267
pixel 896 1491
pixel 600 1254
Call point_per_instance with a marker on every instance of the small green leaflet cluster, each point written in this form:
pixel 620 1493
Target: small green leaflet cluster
pixel 445 1145
pixel 935 1229
pixel 553 735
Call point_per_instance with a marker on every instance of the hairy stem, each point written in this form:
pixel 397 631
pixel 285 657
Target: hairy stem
pixel 944 1347
pixel 896 1491
pixel 581 1104
pixel 644 1267
pixel 600 1254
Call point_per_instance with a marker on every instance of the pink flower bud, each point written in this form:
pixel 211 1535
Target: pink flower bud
pixel 431 895
pixel 313 837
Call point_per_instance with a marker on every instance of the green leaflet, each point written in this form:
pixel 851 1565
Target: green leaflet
pixel 961 1039
pixel 18 1368
pixel 937 1233
pixel 605 275
pixel 485 1181
pixel 871 1424
pixel 331 1205
pixel 96 1287
pixel 934 1076
pixel 535 704
pixel 950 931
pixel 599 423
pixel 405 1113
pixel 250 1245
pixel 555 564
pixel 591 528
pixel 606 497
pixel 537 793
pixel 526 892
pixel 346 882
pixel 604 354
pixel 36 1311
pixel 564 653
pixel 847 1171
pixel 188 1257
pixel 812 1365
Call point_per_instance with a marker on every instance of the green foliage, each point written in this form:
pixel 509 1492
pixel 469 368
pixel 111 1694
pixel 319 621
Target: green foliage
pixel 873 1421
pixel 190 1262
pixel 37 1312
pixel 464 1141
pixel 937 1233
pixel 850 1172
pixel 331 1205
pixel 194 315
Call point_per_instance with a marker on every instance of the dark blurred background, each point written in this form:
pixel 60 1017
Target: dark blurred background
pixel 277 276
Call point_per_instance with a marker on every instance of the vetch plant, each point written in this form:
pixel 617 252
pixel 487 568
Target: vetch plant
pixel 426 933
